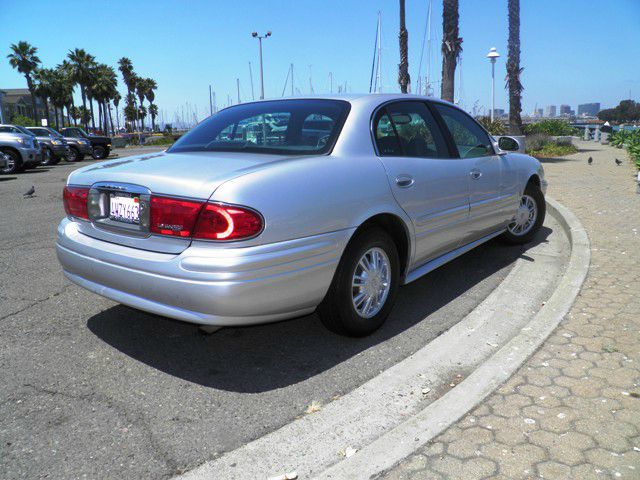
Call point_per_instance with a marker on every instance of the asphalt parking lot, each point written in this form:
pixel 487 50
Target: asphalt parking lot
pixel 92 388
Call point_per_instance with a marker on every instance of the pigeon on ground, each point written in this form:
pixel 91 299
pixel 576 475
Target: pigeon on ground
pixel 590 161
pixel 30 192
pixel 618 162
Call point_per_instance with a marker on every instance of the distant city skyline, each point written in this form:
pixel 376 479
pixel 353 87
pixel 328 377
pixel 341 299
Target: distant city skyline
pixel 187 49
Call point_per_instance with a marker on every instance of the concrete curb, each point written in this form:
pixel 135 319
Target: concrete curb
pixel 402 441
pixel 387 418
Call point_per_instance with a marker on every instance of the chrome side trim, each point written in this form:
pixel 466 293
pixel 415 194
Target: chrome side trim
pixel 447 257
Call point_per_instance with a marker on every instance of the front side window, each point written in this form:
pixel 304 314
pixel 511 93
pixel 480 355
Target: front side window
pixel 469 137
pixel 408 129
pixel 290 127
pixel 40 131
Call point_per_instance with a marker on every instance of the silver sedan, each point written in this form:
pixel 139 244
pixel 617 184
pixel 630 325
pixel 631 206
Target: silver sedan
pixel 273 209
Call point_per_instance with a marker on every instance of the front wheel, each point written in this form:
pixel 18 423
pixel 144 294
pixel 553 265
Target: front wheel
pixel 528 218
pixel 14 162
pixel 47 157
pixel 364 286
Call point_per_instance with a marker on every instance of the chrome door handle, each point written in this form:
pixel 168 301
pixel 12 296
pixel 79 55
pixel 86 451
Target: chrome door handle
pixel 475 174
pixel 404 181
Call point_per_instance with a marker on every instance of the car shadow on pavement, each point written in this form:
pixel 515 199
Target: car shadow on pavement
pixel 267 357
pixel 4 179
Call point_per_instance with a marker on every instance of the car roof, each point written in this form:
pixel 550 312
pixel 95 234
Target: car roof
pixel 359 98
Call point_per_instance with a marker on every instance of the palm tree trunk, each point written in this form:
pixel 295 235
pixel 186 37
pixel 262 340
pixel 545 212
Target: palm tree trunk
pixel 55 113
pixel 68 114
pixel 110 118
pixel 403 67
pixel 513 69
pixel 46 109
pixel 117 118
pixel 93 120
pixel 100 116
pixel 33 99
pixel 84 106
pixel 451 47
pixel 105 114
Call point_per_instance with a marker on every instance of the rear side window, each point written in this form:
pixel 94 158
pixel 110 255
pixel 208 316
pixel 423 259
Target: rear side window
pixel 408 129
pixel 289 127
pixel 469 137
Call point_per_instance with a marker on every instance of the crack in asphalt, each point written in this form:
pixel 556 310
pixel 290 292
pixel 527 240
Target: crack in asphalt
pixel 36 302
pixel 131 417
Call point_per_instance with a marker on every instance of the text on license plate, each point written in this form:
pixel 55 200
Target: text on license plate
pixel 124 209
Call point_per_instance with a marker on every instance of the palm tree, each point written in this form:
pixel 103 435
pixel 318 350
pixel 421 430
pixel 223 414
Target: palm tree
pixel 116 102
pixel 82 63
pixel 61 90
pixel 513 69
pixel 65 72
pixel 451 47
pixel 141 92
pixel 153 111
pixel 43 78
pixel 150 87
pixel 403 68
pixel 104 88
pixel 25 60
pixel 128 75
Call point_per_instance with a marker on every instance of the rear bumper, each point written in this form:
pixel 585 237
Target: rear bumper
pixel 207 283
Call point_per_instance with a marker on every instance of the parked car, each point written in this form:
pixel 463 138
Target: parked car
pixel 55 147
pixel 100 146
pixel 229 228
pixel 22 148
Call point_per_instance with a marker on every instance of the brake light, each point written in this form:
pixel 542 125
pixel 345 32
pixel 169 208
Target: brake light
pixel 172 216
pixel 200 220
pixel 75 201
pixel 227 222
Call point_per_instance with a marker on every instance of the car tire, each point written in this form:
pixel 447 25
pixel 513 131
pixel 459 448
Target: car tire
pixel 47 157
pixel 343 309
pixel 15 162
pixel 99 152
pixel 523 229
pixel 74 155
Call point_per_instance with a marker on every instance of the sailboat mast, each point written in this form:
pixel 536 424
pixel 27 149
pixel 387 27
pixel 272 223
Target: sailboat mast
pixel 428 76
pixel 373 62
pixel 292 79
pixel 378 79
pixel 253 97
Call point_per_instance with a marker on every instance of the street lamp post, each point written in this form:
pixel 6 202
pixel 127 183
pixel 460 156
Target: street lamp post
pixel 260 37
pixel 493 56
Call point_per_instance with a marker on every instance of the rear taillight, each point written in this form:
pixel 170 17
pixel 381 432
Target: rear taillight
pixel 227 222
pixel 172 216
pixel 200 220
pixel 75 201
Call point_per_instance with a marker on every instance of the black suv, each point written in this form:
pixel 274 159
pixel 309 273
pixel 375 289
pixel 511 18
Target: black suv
pixel 101 146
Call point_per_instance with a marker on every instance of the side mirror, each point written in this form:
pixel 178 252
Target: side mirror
pixel 508 144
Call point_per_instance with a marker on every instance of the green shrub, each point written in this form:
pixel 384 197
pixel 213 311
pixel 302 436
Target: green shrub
pixel 497 127
pixel 555 127
pixel 23 121
pixel 537 141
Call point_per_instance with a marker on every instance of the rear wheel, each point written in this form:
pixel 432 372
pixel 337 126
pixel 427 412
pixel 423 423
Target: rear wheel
pixel 14 162
pixel 364 286
pixel 73 155
pixel 529 217
pixel 99 152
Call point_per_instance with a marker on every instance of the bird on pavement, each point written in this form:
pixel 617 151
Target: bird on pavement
pixel 590 161
pixel 30 192
pixel 618 162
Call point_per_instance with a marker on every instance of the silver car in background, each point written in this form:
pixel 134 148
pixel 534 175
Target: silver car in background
pixel 273 209
pixel 54 146
pixel 20 149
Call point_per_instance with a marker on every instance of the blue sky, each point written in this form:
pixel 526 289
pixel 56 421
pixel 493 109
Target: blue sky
pixel 573 51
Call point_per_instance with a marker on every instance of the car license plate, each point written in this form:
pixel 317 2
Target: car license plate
pixel 124 208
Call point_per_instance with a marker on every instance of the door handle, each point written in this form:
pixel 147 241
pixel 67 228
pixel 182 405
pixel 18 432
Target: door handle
pixel 475 174
pixel 404 181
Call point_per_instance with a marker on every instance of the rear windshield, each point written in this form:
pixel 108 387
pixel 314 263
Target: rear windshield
pixel 294 127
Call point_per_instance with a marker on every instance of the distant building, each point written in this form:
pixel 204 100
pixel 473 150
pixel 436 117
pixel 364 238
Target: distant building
pixel 539 113
pixel 17 101
pixel 565 110
pixel 589 109
pixel 551 111
pixel 498 112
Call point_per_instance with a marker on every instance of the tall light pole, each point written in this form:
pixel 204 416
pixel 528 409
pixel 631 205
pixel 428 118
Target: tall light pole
pixel 493 56
pixel 260 37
